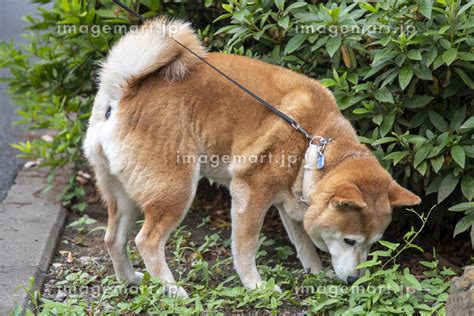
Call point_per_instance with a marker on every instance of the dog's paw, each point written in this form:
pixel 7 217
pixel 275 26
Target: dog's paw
pixel 175 291
pixel 136 279
pixel 133 279
pixel 313 270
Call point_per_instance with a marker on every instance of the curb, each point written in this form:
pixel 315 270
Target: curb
pixel 30 228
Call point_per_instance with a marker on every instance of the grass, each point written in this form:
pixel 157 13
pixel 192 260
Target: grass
pixel 205 270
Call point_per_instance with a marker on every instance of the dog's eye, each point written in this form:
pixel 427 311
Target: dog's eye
pixel 350 242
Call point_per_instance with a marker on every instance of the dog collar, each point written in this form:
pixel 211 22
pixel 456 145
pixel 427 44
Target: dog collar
pixel 314 159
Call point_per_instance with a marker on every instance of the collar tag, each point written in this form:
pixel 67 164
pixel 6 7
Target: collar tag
pixel 314 159
pixel 320 161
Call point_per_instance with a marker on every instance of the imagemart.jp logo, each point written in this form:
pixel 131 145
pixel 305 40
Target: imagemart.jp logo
pixel 336 30
pixel 337 290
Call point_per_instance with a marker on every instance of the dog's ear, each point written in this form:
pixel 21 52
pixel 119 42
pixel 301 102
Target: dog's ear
pixel 348 195
pixel 399 196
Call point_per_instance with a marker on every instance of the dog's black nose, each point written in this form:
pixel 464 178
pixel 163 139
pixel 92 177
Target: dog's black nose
pixel 351 279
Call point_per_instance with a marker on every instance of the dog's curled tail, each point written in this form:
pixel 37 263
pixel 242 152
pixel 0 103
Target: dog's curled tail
pixel 150 48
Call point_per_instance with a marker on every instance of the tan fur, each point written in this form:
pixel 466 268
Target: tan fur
pixel 201 113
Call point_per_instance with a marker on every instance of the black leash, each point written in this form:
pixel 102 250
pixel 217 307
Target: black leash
pixel 282 115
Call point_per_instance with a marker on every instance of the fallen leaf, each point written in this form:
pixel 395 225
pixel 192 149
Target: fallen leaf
pixel 69 258
pixel 47 138
pixel 81 180
pixel 84 174
pixel 31 164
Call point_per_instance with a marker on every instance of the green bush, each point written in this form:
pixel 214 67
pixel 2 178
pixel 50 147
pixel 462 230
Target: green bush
pixel 407 88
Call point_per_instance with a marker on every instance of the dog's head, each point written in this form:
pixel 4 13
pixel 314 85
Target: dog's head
pixel 351 206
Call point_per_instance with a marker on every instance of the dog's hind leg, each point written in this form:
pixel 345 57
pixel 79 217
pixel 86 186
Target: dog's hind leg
pixel 123 214
pixel 304 246
pixel 163 214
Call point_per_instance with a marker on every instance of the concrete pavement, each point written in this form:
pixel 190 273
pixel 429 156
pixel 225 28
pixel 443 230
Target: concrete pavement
pixel 30 227
pixel 11 26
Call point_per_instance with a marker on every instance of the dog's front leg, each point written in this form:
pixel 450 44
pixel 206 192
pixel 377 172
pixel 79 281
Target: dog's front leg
pixel 304 246
pixel 249 207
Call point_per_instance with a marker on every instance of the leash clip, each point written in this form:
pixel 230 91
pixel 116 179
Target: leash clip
pixel 300 129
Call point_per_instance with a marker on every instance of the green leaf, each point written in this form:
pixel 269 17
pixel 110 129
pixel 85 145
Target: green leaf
pixel 469 150
pixel 431 56
pixel 418 101
pixel 361 111
pixel 467 186
pixel 443 29
pixel 464 8
pixel 461 207
pixel 458 155
pixel 405 75
pixel 389 245
pixel 438 121
pixel 325 303
pixel 450 55
pixel 424 73
pixel 239 15
pixel 368 263
pixel 468 124
pixel 295 5
pixel 445 43
pixel 284 22
pixel 231 292
pixel 105 13
pixel 332 45
pixel 396 156
pixel 228 7
pixel 437 163
pixel 414 54
pixel 226 29
pixel 429 264
pixel 377 119
pixel 387 124
pixel 381 253
pixel 280 4
pixel 422 167
pixel 447 186
pixel 426 6
pixel 384 140
pixel 294 43
pixel 383 56
pixel 433 187
pixel 457 118
pixel 416 139
pixel 422 154
pixel 411 280
pixel 383 95
pixel 465 77
pixel 466 55
pixel 65 5
pixel 465 222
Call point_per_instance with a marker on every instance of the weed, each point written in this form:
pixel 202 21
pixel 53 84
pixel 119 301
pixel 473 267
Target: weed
pixel 384 288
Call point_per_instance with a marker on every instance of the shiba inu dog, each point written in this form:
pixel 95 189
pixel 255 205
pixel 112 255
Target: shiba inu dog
pixel 161 114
